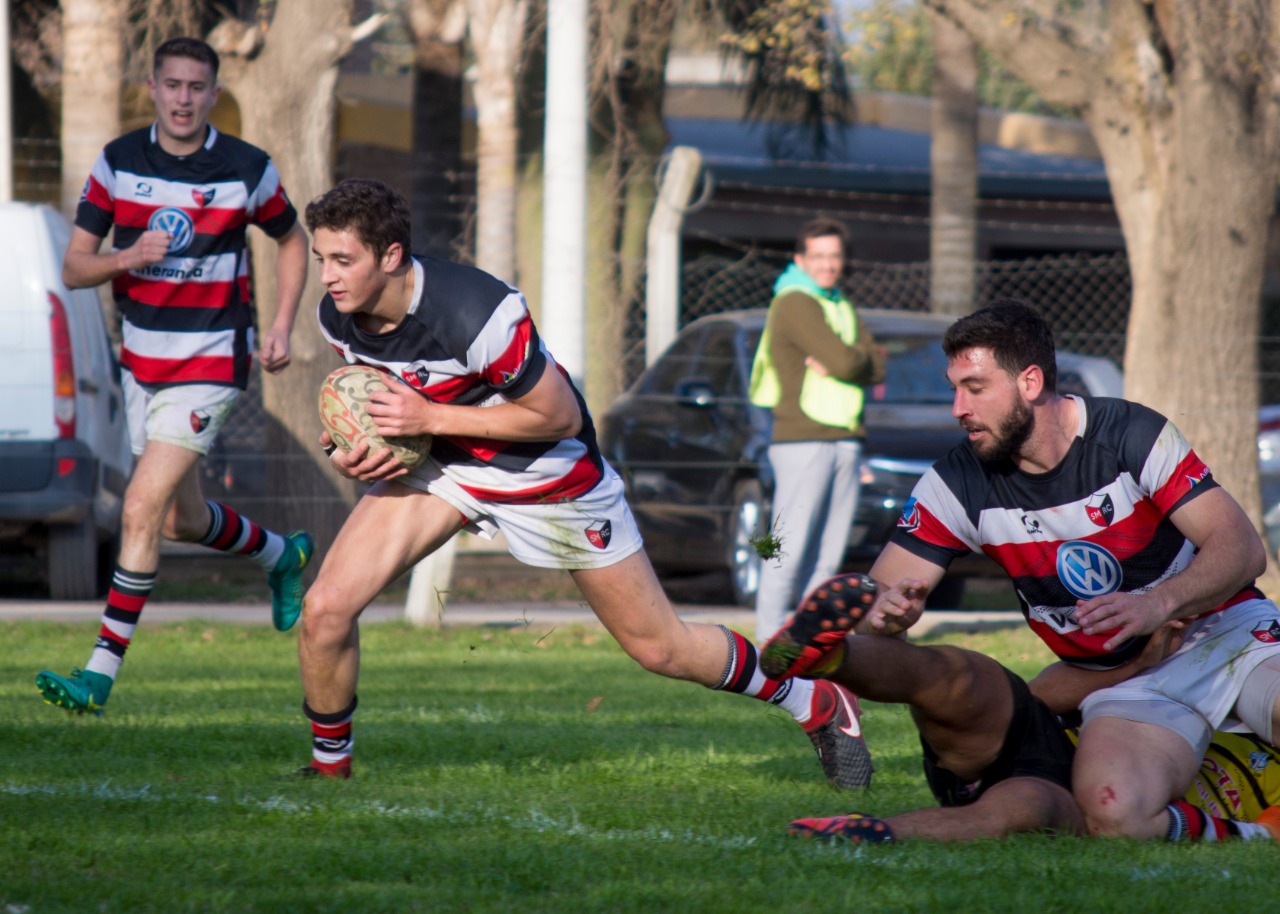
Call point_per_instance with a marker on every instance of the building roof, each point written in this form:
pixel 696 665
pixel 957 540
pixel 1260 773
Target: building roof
pixel 875 159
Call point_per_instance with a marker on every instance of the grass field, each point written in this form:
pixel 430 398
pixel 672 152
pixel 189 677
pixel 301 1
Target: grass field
pixel 497 770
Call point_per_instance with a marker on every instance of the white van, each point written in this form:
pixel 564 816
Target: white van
pixel 64 443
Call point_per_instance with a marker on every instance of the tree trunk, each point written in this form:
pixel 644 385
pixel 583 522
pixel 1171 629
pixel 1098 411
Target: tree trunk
pixel 92 72
pixel 287 107
pixel 953 224
pixel 496 28
pixel 1184 101
pixel 1195 219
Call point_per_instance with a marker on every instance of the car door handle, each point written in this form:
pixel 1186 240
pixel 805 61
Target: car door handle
pixel 87 387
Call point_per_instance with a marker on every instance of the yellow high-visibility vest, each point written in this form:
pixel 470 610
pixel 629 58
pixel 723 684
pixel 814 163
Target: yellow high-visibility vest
pixel 824 399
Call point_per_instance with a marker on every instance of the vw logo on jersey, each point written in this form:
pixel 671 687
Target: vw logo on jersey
pixel 177 223
pixel 1087 570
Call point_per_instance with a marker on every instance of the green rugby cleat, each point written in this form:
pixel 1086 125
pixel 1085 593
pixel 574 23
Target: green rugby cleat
pixel 78 693
pixel 286 579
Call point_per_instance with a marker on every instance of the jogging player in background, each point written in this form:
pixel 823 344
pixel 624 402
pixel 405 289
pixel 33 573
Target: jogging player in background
pixel 179 197
pixel 514 451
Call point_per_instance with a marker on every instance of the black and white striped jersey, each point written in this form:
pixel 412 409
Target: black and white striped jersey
pixel 469 339
pixel 189 318
pixel 1096 524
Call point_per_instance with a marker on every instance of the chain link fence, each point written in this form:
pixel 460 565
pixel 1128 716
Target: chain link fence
pixel 1085 297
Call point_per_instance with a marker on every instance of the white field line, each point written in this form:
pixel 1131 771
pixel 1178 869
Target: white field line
pixel 533 819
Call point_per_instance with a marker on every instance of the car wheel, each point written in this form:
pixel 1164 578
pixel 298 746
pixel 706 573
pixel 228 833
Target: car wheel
pixel 749 521
pixel 73 561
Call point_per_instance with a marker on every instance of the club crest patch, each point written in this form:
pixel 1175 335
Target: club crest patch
pixel 1268 635
pixel 199 420
pixel 1100 509
pixel 203 195
pixel 599 533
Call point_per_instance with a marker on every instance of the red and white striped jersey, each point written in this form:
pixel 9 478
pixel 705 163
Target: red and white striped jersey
pixel 1095 524
pixel 468 339
pixel 189 318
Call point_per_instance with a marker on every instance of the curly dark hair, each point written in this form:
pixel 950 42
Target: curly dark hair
pixel 377 214
pixel 1015 332
pixel 192 48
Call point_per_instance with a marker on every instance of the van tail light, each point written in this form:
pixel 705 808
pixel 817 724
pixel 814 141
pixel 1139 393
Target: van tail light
pixel 64 370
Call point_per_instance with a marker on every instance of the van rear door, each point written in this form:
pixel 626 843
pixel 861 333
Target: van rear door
pixel 26 404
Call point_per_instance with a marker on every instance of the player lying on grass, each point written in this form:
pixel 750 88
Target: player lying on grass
pixel 996 758
pixel 514 451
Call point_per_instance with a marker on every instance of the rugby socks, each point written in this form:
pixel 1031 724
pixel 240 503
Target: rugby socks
pixel 742 674
pixel 1190 823
pixel 230 531
pixel 128 594
pixel 331 740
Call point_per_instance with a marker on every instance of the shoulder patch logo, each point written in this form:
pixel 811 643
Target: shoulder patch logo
pixel 909 520
pixel 1268 635
pixel 1194 481
pixel 1087 570
pixel 599 533
pixel 1100 509
pixel 177 223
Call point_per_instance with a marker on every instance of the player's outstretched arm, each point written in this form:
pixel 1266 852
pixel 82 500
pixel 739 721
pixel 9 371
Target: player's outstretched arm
pixel 903 581
pixel 83 267
pixel 291 277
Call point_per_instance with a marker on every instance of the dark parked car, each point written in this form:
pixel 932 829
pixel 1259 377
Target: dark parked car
pixel 694 451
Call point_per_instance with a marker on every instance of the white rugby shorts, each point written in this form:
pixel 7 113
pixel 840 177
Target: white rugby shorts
pixel 595 530
pixel 187 415
pixel 1193 691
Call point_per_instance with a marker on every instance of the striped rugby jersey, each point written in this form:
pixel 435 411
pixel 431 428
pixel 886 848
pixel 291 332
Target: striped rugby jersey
pixel 468 339
pixel 1096 524
pixel 189 318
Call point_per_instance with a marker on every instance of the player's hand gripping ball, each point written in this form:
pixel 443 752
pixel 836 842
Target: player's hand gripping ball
pixel 344 401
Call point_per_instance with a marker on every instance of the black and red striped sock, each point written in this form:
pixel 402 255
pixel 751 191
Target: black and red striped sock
pixel 1190 823
pixel 331 740
pixel 230 531
pixel 742 674
pixel 128 594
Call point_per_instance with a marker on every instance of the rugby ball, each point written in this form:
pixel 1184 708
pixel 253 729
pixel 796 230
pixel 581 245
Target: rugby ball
pixel 344 400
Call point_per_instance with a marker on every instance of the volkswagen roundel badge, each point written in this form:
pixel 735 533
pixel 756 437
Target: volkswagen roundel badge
pixel 177 223
pixel 1087 570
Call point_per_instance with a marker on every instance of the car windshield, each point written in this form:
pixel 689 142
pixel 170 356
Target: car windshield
pixel 916 371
